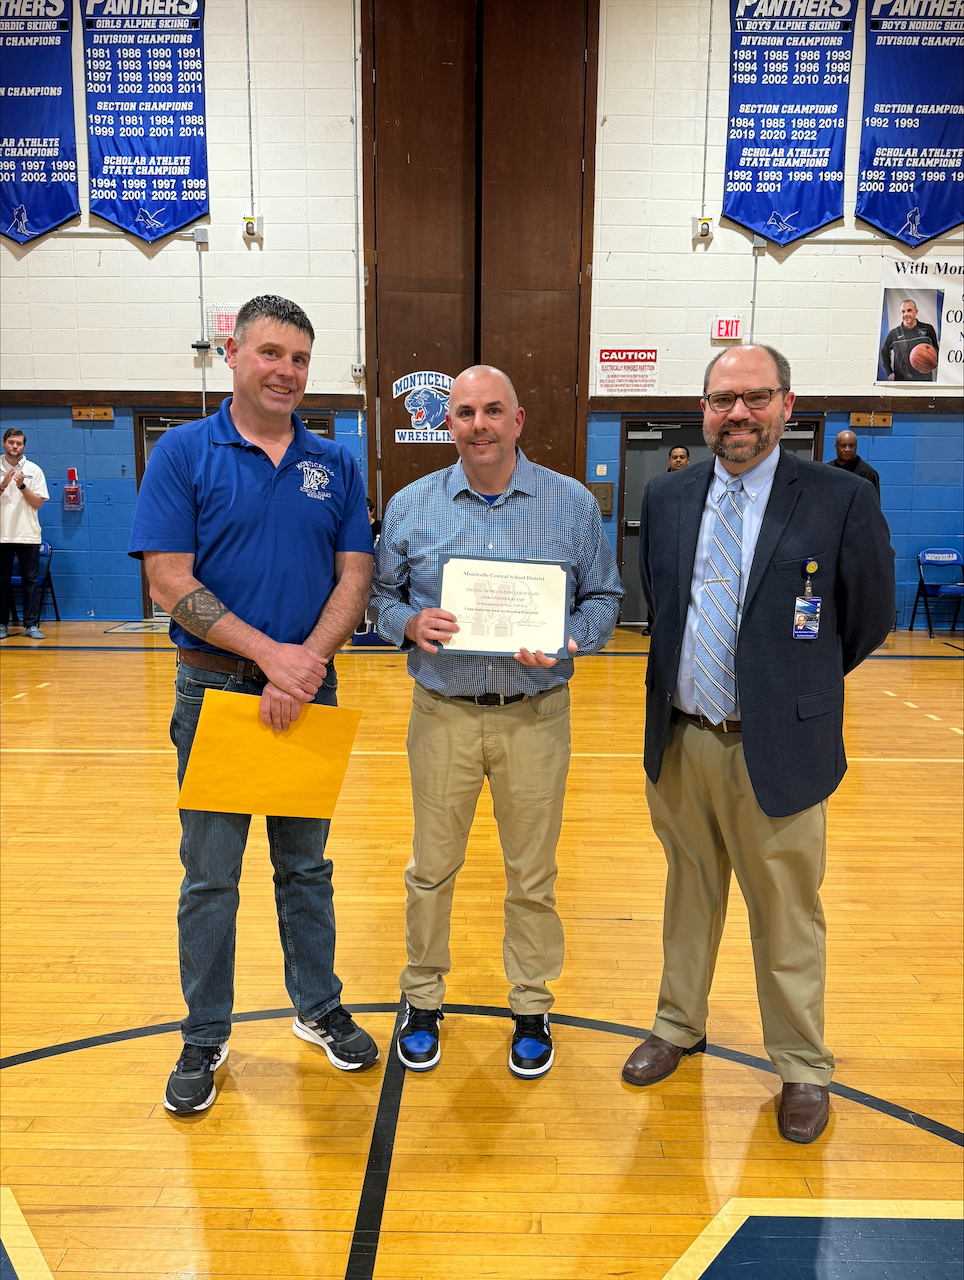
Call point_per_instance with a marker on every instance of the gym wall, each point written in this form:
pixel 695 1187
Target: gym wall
pixel 90 310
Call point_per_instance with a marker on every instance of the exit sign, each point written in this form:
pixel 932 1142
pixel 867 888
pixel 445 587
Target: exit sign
pixel 727 329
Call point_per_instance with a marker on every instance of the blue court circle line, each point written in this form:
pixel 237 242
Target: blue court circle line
pixel 905 1114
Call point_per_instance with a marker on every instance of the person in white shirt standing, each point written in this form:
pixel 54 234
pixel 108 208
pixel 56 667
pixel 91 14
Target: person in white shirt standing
pixel 23 491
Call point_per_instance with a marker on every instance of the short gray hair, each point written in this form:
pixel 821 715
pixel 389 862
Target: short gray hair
pixel 269 306
pixel 780 361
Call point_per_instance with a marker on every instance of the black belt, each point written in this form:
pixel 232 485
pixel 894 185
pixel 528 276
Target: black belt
pixel 491 699
pixel 725 726
pixel 241 668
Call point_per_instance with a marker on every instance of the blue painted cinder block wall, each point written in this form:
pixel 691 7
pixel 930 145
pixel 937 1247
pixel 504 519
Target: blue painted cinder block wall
pixel 602 450
pixel 92 574
pixel 920 461
pixel 351 432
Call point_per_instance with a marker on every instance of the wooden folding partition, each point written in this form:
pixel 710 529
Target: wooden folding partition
pixel 479 130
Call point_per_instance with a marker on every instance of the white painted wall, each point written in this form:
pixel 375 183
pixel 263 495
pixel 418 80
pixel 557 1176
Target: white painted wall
pixel 113 313
pixel 816 300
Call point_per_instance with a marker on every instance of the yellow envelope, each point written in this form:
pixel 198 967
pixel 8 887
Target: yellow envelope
pixel 239 765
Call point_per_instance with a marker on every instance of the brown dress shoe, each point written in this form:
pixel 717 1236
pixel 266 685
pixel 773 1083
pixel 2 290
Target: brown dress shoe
pixel 804 1112
pixel 655 1059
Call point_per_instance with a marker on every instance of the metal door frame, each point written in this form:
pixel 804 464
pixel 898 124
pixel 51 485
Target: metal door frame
pixel 659 422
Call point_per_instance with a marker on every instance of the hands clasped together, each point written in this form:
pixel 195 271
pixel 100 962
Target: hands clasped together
pixel 295 674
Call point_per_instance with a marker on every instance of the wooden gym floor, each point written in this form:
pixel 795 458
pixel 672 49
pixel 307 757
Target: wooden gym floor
pixel 577 1175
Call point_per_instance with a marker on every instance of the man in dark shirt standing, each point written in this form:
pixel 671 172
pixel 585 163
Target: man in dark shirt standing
pixel 901 341
pixel 848 460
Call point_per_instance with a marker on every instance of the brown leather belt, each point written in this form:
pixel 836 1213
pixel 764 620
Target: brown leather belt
pixel 241 668
pixel 725 726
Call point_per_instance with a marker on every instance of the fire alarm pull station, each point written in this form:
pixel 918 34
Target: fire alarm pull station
pixel 73 492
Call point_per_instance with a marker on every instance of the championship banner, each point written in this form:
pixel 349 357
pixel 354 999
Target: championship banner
pixel 144 63
pixel 921 321
pixel 38 149
pixel 789 85
pixel 911 182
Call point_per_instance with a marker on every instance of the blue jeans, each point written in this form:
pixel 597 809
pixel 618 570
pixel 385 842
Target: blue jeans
pixel 212 846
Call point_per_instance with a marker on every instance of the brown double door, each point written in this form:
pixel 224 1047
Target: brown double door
pixel 479 123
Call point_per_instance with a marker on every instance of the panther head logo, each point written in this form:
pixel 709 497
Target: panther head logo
pixel 427 406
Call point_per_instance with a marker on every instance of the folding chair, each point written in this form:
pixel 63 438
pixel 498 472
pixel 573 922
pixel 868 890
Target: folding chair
pixel 944 558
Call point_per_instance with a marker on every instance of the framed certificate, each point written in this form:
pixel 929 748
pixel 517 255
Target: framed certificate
pixel 503 606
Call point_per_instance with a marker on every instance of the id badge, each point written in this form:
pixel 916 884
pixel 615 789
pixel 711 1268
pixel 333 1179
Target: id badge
pixel 806 618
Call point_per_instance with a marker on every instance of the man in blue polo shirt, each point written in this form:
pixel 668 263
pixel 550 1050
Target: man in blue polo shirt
pixel 255 538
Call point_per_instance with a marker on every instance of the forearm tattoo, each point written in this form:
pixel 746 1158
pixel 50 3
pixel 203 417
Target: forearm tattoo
pixel 198 611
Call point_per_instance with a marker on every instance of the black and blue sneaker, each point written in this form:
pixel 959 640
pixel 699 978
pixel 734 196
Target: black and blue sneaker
pixel 531 1053
pixel 191 1087
pixel 348 1047
pixel 418 1040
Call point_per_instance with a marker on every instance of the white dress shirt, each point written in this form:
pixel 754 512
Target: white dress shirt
pixel 757 483
pixel 19 521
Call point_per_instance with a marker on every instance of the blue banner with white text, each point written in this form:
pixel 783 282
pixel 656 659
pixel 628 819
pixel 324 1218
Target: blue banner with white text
pixel 911 183
pixel 38 149
pixel 790 66
pixel 144 67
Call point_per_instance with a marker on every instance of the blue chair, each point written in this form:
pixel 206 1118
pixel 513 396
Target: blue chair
pixel 44 582
pixel 934 558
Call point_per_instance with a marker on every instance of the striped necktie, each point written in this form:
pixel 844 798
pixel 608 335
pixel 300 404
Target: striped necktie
pixel 716 629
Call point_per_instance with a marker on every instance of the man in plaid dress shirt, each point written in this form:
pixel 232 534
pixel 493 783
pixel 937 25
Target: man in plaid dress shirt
pixel 476 717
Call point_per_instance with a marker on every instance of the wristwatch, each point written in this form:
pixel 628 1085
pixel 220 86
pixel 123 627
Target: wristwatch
pixel 21 486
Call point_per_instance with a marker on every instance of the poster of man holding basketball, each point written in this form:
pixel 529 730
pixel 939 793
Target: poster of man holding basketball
pixel 910 350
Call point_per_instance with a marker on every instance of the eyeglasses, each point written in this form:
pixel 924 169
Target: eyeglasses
pixel 723 401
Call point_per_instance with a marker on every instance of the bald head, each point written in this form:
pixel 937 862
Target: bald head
pixel 484 420
pixel 846 446
pixel 472 378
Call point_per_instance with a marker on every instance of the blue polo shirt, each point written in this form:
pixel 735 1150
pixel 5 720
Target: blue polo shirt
pixel 264 538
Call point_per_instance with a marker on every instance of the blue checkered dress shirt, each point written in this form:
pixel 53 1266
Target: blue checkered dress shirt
pixel 541 516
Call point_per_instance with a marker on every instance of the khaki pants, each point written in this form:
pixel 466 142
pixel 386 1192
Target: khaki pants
pixel 523 750
pixel 709 822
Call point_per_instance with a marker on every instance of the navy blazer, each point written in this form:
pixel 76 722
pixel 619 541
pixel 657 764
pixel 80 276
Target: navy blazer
pixel 791 691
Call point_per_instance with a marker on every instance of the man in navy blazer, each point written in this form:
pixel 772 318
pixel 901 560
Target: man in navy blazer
pixel 744 712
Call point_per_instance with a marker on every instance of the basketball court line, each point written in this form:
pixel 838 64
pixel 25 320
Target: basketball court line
pixel 21 1258
pixel 367 1229
pixel 914 1118
pixel 717 1234
pixel 371 1202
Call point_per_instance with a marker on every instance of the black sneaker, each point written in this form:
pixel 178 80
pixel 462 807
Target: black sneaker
pixel 191 1084
pixel 531 1053
pixel 348 1047
pixel 418 1042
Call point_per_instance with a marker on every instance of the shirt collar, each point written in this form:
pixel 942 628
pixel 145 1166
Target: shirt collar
pixel 756 480
pixel 13 466
pixel 522 480
pixel 223 431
